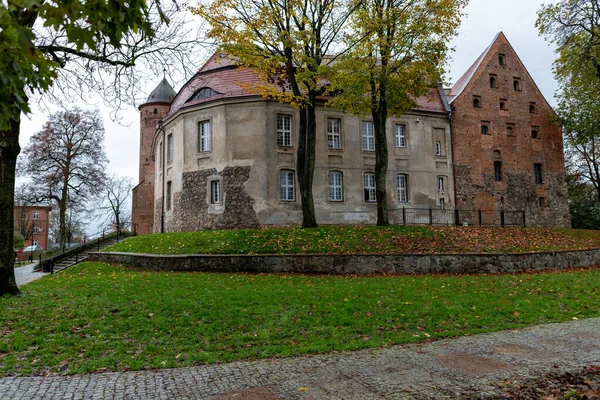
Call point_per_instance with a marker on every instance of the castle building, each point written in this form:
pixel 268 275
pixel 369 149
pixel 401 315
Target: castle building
pixel 214 156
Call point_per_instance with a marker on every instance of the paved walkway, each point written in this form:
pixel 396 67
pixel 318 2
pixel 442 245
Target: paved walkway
pixel 25 274
pixel 441 369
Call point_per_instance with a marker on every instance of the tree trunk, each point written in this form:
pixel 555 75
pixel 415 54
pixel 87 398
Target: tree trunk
pixel 9 150
pixel 62 213
pixel 307 131
pixel 381 158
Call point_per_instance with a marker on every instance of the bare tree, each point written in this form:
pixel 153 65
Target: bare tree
pixel 23 222
pixel 71 50
pixel 116 201
pixel 66 161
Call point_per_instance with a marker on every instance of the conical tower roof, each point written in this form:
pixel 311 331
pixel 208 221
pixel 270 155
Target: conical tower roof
pixel 163 93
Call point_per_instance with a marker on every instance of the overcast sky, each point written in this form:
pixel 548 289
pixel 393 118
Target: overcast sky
pixel 485 18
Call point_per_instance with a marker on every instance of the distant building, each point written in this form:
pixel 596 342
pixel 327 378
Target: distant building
pixel 214 156
pixel 33 222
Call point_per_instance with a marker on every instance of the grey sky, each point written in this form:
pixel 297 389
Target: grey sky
pixel 485 18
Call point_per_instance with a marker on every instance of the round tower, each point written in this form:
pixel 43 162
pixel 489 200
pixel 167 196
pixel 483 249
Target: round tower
pixel 152 111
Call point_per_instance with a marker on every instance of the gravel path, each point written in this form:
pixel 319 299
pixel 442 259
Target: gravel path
pixel 25 274
pixel 451 368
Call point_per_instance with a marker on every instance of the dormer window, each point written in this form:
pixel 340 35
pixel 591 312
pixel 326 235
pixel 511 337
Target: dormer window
pixel 203 93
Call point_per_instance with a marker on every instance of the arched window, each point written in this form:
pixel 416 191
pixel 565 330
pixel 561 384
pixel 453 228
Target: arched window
pixel 492 82
pixel 476 101
pixel 497 165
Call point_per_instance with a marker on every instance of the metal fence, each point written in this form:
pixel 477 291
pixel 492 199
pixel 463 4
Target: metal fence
pixel 436 216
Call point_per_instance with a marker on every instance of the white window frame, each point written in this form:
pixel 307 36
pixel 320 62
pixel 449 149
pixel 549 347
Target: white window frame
pixel 36 215
pixel 438 148
pixel 284 130
pixel 204 136
pixel 216 195
pixel 336 186
pixel 334 133
pixel 34 242
pixel 400 135
pixel 370 195
pixel 287 185
pixel 170 148
pixel 402 188
pixel 368 136
pixel 36 229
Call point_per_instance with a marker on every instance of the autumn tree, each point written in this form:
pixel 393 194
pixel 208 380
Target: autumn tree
pixel 286 43
pixel 57 50
pixel 574 26
pixel 115 201
pixel 399 48
pixel 65 161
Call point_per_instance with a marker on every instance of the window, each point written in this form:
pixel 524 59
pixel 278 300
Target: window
pixel 215 191
pixel 369 187
pixel 438 148
pixel 501 59
pixel 504 104
pixel 336 189
pixel 203 93
pixel 542 201
pixel 168 195
pixel 400 135
pixel 442 204
pixel 532 108
pixel 161 156
pixel 535 132
pixel 34 242
pixel 169 148
pixel 402 187
pixel 368 136
pixel 286 184
pixel 537 169
pixel 203 136
pixel 510 130
pixel 492 81
pixel 36 215
pixel 284 130
pixel 485 129
pixel 517 83
pixel 477 101
pixel 36 229
pixel 155 111
pixel 498 171
pixel 333 134
pixel 440 184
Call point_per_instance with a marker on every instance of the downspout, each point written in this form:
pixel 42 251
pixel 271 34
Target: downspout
pixel 449 108
pixel 162 161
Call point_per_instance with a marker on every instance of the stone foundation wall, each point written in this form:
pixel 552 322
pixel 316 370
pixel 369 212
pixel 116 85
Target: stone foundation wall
pixel 193 212
pixel 518 193
pixel 359 264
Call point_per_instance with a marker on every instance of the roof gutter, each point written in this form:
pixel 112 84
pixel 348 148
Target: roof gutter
pixel 448 109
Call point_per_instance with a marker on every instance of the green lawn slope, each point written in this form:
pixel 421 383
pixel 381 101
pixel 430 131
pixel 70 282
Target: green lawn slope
pixel 362 239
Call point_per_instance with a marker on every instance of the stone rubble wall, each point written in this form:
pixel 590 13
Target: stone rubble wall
pixel 359 264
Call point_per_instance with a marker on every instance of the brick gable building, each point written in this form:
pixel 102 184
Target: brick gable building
pixel 507 151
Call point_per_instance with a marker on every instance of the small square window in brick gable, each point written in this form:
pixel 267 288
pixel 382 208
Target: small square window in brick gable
pixel 477 102
pixel 485 127
pixel 501 59
pixel 532 108
pixel 535 132
pixel 504 104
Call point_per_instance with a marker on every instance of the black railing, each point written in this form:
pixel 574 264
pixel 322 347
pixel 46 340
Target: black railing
pixel 457 217
pixel 92 242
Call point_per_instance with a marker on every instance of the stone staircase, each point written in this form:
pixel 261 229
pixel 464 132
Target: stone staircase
pixel 77 258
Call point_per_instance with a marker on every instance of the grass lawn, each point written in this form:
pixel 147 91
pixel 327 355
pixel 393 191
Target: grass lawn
pixel 362 239
pixel 96 317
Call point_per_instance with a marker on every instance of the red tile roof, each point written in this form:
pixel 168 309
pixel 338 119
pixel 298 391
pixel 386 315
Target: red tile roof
pixel 220 74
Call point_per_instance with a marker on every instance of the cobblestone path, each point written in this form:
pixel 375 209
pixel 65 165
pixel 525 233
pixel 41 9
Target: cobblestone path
pixel 440 369
pixel 25 274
